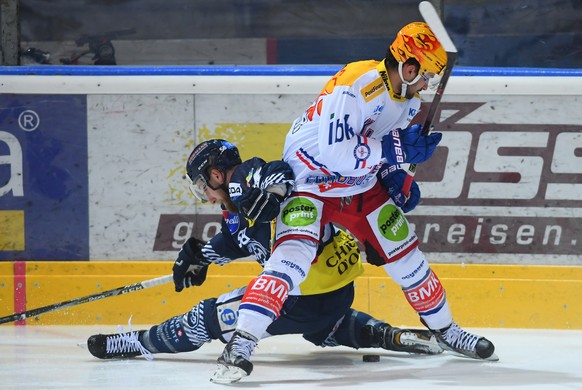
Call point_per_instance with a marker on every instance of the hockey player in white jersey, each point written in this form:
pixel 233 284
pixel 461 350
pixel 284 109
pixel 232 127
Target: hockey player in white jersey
pixel 250 193
pixel 336 148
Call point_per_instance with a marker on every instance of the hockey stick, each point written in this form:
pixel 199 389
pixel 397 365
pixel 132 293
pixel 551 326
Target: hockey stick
pixel 89 298
pixel 433 20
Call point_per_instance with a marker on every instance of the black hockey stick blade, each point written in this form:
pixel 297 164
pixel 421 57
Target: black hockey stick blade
pixel 89 298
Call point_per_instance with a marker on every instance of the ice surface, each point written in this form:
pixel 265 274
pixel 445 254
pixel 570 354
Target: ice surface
pixel 49 357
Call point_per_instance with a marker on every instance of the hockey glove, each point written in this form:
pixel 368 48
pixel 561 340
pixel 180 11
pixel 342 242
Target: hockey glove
pixel 392 180
pixel 190 267
pixel 409 146
pixel 259 205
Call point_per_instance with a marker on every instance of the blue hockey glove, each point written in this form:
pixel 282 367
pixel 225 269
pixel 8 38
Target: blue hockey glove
pixel 393 181
pixel 190 267
pixel 259 205
pixel 409 146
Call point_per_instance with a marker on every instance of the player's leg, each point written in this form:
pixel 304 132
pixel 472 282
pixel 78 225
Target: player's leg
pixel 298 231
pixel 360 330
pixel 392 244
pixel 211 319
pixel 311 314
pixel 261 305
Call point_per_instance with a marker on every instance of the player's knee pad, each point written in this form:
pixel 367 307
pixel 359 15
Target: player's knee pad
pixel 224 314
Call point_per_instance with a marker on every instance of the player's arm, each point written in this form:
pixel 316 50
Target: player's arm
pixel 271 185
pixel 344 149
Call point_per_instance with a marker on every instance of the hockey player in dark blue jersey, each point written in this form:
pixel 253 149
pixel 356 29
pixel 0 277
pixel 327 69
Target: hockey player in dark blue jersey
pixel 250 194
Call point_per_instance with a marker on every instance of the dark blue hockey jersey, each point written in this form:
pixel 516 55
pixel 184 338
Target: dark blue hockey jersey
pixel 241 237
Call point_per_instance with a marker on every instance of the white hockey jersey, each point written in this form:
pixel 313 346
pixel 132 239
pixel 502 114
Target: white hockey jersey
pixel 334 148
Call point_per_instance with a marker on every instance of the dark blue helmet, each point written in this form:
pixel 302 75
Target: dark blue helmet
pixel 214 153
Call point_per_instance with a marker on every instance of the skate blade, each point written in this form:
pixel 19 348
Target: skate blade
pixel 227 374
pixel 430 347
pixel 492 358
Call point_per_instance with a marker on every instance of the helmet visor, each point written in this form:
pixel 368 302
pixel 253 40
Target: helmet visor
pixel 198 188
pixel 432 80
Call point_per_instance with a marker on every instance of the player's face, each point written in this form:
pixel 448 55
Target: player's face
pixel 420 85
pixel 217 195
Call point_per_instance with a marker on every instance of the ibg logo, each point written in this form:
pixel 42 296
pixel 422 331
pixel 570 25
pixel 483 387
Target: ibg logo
pixel 299 212
pixel 392 224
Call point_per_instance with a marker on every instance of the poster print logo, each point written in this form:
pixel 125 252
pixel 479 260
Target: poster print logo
pixel 392 224
pixel 299 212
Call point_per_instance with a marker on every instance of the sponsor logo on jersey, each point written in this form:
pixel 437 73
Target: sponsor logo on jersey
pixel 362 152
pixel 250 176
pixel 340 130
pixel 234 190
pixel 299 212
pixel 372 90
pixel 341 255
pixel 392 224
pixel 232 221
pixel 367 131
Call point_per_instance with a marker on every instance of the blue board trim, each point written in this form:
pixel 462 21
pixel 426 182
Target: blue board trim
pixel 253 70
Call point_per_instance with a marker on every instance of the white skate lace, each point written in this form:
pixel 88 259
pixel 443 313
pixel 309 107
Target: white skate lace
pixel 242 347
pixel 460 339
pixel 126 342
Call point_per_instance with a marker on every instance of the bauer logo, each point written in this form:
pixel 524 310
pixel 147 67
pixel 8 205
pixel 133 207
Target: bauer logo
pixel 299 212
pixel 392 224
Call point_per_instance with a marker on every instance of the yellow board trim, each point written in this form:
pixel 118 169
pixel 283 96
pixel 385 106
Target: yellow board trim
pixel 496 296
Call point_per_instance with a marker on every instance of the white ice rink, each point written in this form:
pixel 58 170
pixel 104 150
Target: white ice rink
pixel 49 357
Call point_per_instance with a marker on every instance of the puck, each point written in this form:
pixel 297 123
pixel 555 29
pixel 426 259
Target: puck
pixel 371 358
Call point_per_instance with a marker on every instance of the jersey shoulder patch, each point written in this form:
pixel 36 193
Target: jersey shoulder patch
pixel 373 89
pixel 348 75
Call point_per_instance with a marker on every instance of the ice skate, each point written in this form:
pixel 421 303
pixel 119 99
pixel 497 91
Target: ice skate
pixel 117 346
pixel 467 344
pixel 235 361
pixel 404 340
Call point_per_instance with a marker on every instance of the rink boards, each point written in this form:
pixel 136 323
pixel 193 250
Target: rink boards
pixel 93 196
pixel 498 296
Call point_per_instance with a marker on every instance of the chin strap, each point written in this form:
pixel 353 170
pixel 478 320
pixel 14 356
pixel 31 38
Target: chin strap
pixel 405 83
